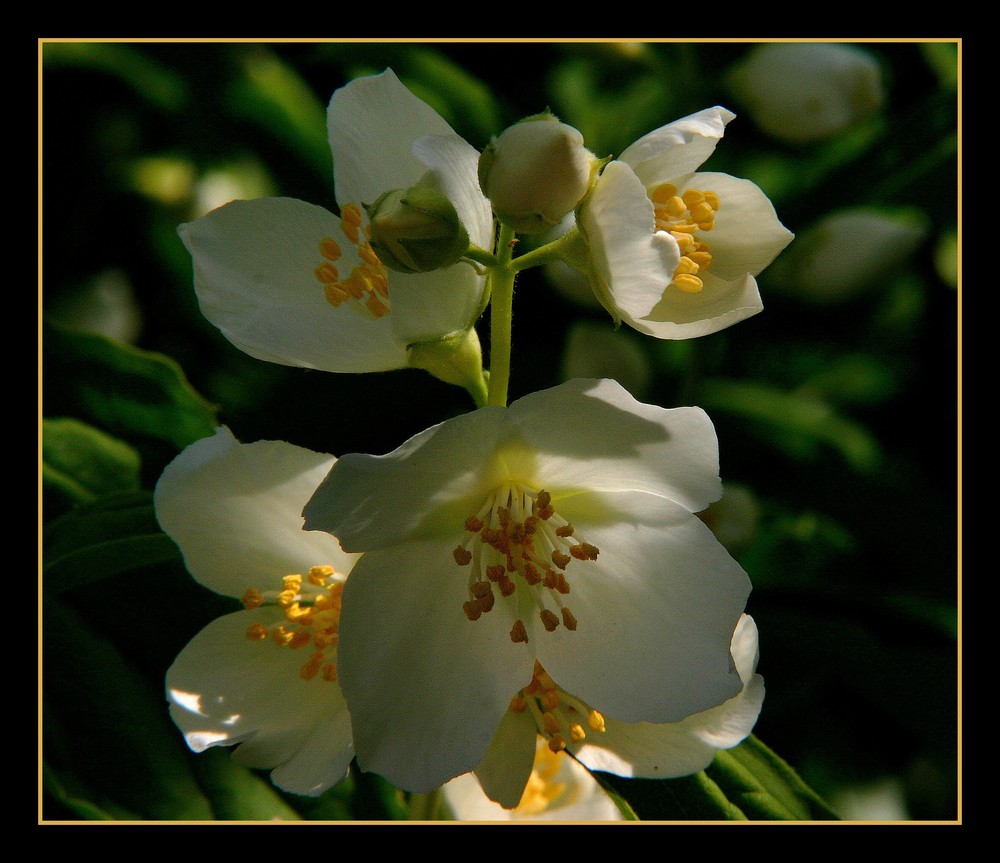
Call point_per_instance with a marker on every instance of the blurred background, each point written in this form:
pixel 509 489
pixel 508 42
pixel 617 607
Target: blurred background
pixel 836 408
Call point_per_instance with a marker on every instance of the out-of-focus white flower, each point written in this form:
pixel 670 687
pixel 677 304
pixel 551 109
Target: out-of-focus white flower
pixel 474 533
pixel 265 677
pixel 670 251
pixel 848 253
pixel 106 306
pixel 808 91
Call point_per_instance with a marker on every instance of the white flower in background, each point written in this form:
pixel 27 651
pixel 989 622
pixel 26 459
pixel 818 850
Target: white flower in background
pixel 559 530
pixel 673 252
pixel 849 253
pixel 808 91
pixel 264 677
pixel 559 788
pixel 644 750
pixel 291 283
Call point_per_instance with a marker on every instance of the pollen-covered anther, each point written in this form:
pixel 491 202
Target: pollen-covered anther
pixel 568 620
pixel 253 598
pixel 683 215
pixel 576 732
pixel 557 743
pixel 595 720
pixel 518 634
pixel 366 288
pixel 256 632
pixel 518 541
pixel 549 620
pixel 474 610
pixel 518 704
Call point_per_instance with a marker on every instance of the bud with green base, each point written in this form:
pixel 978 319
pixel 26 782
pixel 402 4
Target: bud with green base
pixel 416 230
pixel 536 172
pixel 456 358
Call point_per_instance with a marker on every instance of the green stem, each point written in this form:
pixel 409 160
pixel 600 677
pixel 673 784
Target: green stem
pixel 501 312
pixel 426 807
pixel 480 256
pixel 553 251
pixel 479 390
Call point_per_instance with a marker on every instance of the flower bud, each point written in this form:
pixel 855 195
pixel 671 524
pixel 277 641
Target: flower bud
pixel 456 358
pixel 416 229
pixel 536 172
pixel 808 91
pixel 848 253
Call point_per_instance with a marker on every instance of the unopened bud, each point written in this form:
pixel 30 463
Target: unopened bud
pixel 536 172
pixel 456 358
pixel 808 91
pixel 417 229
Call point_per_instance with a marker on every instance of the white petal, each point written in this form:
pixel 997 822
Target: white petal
pixel 594 435
pixel 426 306
pixel 455 164
pixel 225 689
pixel 430 483
pixel 677 148
pixel 632 260
pixel 234 510
pixel 655 612
pixel 681 748
pixel 747 235
pixel 720 304
pixel 254 273
pixel 504 772
pixel 427 688
pixel 372 124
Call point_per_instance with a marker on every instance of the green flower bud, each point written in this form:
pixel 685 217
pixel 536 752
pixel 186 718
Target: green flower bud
pixel 416 229
pixel 456 358
pixel 536 172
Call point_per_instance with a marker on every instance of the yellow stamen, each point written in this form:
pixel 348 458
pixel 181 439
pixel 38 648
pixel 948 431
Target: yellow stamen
pixel 518 634
pixel 684 215
pixel 253 598
pixel 329 249
pixel 256 632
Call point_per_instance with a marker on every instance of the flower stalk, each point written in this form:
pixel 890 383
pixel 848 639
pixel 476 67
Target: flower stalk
pixel 501 314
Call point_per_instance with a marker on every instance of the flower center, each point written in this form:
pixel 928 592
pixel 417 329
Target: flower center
pixel 519 543
pixel 312 617
pixel 559 717
pixel 366 289
pixel 682 216
pixel 543 788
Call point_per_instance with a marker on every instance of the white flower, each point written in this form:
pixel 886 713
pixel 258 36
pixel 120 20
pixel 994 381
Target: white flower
pixel 291 283
pixel 673 253
pixel 263 677
pixel 558 789
pixel 643 749
pixel 808 91
pixel 557 530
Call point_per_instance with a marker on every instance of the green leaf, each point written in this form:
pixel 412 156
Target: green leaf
pixel 688 798
pixel 85 462
pixel 128 391
pixel 237 793
pixel 95 541
pixel 764 786
pixel 68 792
pixel 111 729
pixel 272 94
pixel 800 425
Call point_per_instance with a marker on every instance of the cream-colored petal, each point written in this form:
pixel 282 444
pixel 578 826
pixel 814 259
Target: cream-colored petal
pixel 504 771
pixel 677 148
pixel 655 611
pixel 225 689
pixel 430 483
pixel 631 260
pixel 677 749
pixel 426 687
pixel 254 273
pixel 720 304
pixel 372 123
pixel 747 235
pixel 594 435
pixel 234 510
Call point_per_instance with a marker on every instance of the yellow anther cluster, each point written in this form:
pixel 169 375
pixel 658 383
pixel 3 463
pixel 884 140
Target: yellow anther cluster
pixel 558 716
pixel 518 538
pixel 682 216
pixel 311 605
pixel 542 790
pixel 366 289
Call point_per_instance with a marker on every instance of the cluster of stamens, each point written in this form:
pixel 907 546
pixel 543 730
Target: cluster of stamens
pixel 366 289
pixel 682 216
pixel 518 536
pixel 560 717
pixel 312 618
